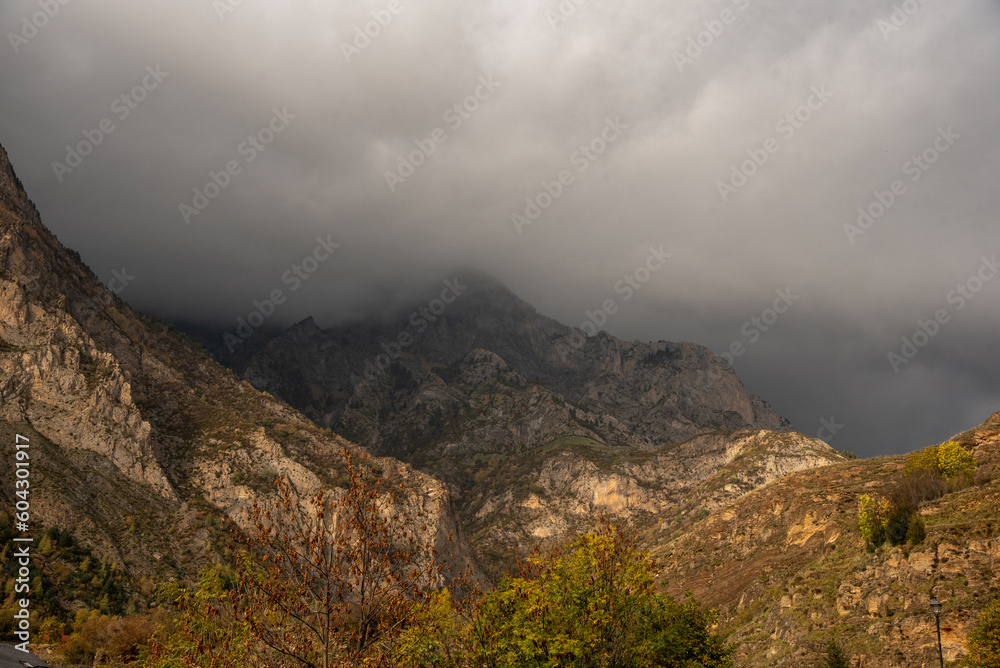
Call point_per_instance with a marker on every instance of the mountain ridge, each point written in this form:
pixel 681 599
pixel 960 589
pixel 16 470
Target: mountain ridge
pixel 488 316
pixel 144 442
pixel 788 568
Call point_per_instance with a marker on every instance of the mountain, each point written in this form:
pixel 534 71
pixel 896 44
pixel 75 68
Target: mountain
pixel 501 426
pixel 140 442
pixel 535 427
pixel 788 569
pixel 658 392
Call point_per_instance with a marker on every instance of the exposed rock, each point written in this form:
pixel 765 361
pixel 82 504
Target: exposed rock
pixel 636 393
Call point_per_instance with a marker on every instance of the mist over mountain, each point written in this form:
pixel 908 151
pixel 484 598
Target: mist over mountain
pixel 534 264
pixel 524 417
pixel 841 152
pixel 666 392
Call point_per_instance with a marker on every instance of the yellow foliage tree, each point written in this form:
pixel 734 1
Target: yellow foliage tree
pixel 984 639
pixel 955 462
pixel 949 459
pixel 873 516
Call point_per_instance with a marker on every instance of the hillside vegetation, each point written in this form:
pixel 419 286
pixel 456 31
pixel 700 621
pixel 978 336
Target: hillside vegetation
pixel 790 569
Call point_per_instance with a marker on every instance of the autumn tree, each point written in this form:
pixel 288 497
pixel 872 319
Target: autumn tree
pixel 593 603
pixel 204 631
pixel 984 639
pixel 330 580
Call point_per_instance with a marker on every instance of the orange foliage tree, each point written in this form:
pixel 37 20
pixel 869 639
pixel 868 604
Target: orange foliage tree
pixel 328 581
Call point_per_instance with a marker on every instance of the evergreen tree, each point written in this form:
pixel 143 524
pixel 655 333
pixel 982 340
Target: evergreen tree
pixel 835 656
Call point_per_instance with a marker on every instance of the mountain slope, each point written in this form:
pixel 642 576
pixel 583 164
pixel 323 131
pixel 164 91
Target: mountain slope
pixel 788 568
pixel 140 440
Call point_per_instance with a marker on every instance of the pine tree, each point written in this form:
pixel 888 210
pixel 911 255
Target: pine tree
pixel 835 656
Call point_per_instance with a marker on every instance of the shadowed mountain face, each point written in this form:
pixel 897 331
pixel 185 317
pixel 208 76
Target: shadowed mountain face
pixel 535 427
pixel 410 375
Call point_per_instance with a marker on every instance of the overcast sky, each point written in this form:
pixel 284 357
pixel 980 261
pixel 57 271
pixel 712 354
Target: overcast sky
pixel 831 102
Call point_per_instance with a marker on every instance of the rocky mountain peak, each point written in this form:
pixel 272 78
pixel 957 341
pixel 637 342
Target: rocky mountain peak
pixel 12 195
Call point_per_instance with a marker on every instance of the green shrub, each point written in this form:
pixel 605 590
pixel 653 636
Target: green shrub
pixel 984 639
pixel 835 656
pixel 593 605
pixel 879 520
pixel 897 525
pixel 916 532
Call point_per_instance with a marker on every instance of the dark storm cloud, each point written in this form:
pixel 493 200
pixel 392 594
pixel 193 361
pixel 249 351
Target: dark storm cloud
pixel 831 103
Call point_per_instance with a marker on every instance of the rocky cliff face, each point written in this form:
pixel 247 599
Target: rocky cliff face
pixel 140 440
pixel 560 488
pixel 535 428
pixel 788 567
pixel 660 392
